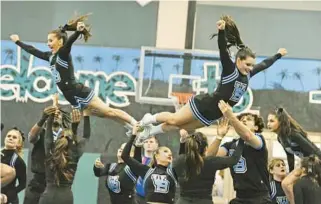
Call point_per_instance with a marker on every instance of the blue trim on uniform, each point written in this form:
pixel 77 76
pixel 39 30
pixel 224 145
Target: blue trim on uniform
pixel 273 189
pixel 171 174
pixel 198 115
pixel 262 143
pixel 130 174
pixel 62 63
pixel 148 173
pixel 13 159
pixel 112 167
pixel 83 102
pixel 230 77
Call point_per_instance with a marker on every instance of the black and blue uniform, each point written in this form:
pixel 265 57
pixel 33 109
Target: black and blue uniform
pixel 250 175
pixel 62 193
pixel 11 190
pixel 231 87
pixel 299 145
pixel 61 65
pixel 120 180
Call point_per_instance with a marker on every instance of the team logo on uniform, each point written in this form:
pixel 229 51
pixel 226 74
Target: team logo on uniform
pixel 113 184
pixel 282 200
pixel 161 183
pixel 239 90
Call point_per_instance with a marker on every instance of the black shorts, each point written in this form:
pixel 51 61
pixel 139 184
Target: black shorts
pixel 255 200
pixel 79 96
pixel 205 108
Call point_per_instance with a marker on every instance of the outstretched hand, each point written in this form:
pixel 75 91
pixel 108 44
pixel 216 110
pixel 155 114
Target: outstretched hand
pixel 81 26
pixel 225 108
pixel 14 37
pixel 283 51
pixel 220 25
pixel 222 127
pixel 184 134
pixel 75 115
pixel 50 110
pixel 99 164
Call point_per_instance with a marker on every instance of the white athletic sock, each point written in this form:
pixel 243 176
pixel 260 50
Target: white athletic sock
pixel 153 118
pixel 133 121
pixel 156 130
pixel 128 126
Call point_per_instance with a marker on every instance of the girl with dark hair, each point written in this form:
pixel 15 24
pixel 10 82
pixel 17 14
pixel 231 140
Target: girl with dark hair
pixel 120 180
pixel 291 135
pixel 277 172
pixel 307 190
pixel 196 171
pixel 11 155
pixel 202 109
pixel 78 95
pixel 196 183
pixel 62 156
pixel 159 179
pixel 294 140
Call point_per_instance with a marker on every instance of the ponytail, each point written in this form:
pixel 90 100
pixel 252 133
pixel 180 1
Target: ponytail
pixel 195 147
pixel 233 38
pixel 232 33
pixel 72 26
pixel 312 167
pixel 59 159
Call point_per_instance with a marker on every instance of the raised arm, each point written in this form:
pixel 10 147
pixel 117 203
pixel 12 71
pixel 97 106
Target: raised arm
pixel 75 117
pixel 100 169
pixel 65 50
pixel 30 49
pixel 184 134
pixel 33 135
pixel 244 132
pixel 268 62
pixel 138 153
pixel 48 135
pixel 136 167
pixel 219 163
pixel 222 129
pixel 227 63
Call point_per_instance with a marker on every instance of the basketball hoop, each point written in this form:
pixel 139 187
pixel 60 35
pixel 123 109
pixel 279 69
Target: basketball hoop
pixel 180 99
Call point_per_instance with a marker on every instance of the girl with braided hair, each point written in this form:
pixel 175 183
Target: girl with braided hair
pixel 202 110
pixel 62 154
pixel 60 59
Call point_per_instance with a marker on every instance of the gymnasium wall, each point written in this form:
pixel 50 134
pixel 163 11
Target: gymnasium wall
pixel 264 29
pixel 119 30
pixel 114 23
